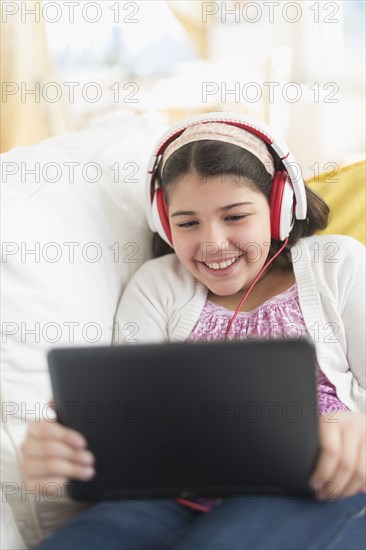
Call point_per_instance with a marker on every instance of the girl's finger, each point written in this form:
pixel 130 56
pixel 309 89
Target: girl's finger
pixel 358 481
pixel 39 448
pixel 346 467
pixel 54 430
pixel 56 467
pixel 343 472
pixel 330 453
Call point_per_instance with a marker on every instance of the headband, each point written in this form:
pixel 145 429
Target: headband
pixel 220 131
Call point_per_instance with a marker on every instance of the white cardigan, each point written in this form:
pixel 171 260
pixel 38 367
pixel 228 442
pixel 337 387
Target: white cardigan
pixel 163 301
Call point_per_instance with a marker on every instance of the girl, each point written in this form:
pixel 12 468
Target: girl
pixel 221 195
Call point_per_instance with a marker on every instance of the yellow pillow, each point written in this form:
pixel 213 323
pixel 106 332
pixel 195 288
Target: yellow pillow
pixel 344 192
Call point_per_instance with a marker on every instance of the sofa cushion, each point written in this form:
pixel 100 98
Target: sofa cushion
pixel 344 191
pixel 74 231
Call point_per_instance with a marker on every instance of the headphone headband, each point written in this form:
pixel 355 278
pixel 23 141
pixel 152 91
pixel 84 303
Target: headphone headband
pixel 261 130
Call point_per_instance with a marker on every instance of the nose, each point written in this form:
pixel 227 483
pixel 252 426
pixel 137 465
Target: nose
pixel 214 241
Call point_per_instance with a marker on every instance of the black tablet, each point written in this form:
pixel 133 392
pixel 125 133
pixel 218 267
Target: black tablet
pixel 192 420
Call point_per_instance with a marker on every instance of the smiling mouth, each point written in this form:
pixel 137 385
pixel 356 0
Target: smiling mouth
pixel 220 266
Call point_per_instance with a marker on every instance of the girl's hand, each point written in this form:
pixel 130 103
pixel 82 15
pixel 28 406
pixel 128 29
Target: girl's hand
pixel 341 467
pixel 51 455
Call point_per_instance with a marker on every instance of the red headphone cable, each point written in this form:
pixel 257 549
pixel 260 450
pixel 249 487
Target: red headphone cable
pixel 252 285
pixel 194 505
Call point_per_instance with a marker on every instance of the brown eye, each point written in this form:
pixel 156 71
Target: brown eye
pixel 235 218
pixel 187 224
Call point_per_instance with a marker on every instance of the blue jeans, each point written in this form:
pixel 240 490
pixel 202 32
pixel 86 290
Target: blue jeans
pixel 266 523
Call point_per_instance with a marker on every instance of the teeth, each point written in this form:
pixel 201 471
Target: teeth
pixel 221 265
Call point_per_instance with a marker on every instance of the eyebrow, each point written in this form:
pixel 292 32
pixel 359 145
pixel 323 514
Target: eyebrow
pixel 192 213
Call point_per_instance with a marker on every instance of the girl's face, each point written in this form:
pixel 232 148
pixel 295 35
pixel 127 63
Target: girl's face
pixel 209 227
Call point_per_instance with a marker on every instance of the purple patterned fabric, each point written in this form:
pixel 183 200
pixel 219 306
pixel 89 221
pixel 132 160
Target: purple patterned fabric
pixel 278 317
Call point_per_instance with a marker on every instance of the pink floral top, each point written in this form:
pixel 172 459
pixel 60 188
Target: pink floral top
pixel 278 317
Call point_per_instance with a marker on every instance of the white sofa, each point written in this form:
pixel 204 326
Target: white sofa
pixel 73 232
pixel 85 188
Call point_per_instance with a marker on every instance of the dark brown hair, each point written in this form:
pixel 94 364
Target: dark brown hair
pixel 211 158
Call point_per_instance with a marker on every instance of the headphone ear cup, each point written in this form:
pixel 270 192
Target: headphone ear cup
pixel 161 216
pixel 282 203
pixel 275 205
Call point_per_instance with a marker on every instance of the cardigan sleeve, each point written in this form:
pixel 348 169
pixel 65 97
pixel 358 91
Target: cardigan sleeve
pixel 140 317
pixel 153 307
pixel 346 279
pixel 353 310
pixel 330 272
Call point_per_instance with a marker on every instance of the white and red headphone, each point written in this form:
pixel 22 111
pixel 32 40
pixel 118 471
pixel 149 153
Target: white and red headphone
pixel 288 197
